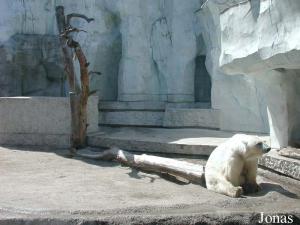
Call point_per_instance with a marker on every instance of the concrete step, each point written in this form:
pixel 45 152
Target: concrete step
pixel 148 106
pixel 281 164
pixel 183 141
pixel 161 140
pixel 131 113
pixel 158 114
pixel 129 106
pixel 186 117
pixel 131 118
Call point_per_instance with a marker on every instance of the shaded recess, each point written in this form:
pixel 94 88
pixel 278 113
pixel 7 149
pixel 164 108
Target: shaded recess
pixel 202 81
pixel 31 65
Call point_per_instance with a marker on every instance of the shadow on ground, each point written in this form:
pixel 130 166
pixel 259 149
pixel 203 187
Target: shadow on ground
pixel 271 187
pixel 137 173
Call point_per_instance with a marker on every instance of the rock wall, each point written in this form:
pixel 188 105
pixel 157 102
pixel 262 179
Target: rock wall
pixel 31 64
pixel 146 50
pixel 235 96
pixel 272 29
pixel 155 51
pixel 260 39
pixel 102 43
pixel 159 48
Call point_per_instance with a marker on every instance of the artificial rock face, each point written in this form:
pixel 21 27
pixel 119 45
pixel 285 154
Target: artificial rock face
pixel 146 51
pixel 158 50
pixel 32 65
pixel 102 43
pixel 260 38
pixel 167 51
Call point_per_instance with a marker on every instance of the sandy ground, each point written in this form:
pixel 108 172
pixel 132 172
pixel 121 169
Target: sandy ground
pixel 46 187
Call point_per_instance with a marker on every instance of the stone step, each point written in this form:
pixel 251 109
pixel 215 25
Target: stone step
pixel 183 117
pixel 131 118
pixel 148 106
pixel 131 113
pixel 158 114
pixel 281 164
pixel 160 140
pixel 131 106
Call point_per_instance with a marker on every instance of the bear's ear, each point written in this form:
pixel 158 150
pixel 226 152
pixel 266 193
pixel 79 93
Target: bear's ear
pixel 241 146
pixel 259 145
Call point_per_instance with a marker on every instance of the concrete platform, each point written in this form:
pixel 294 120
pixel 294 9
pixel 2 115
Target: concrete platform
pixel 40 187
pixel 40 120
pixel 162 140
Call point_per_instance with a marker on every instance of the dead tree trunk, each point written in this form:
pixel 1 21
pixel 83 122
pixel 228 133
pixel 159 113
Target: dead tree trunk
pixel 83 97
pixel 189 171
pixel 79 91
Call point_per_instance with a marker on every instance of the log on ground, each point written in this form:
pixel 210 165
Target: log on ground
pixel 189 171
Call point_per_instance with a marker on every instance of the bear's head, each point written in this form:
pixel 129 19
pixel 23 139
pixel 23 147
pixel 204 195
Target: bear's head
pixel 254 146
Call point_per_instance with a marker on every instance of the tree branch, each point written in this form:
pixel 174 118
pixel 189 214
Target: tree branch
pixel 77 15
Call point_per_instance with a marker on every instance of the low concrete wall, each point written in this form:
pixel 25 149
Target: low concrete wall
pixel 40 120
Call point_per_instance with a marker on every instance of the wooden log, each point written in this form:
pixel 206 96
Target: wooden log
pixel 189 171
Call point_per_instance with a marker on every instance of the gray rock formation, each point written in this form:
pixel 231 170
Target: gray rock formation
pixel 167 51
pixel 260 38
pixel 102 43
pixel 32 65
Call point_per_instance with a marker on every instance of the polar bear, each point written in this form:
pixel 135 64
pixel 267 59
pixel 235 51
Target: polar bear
pixel 231 168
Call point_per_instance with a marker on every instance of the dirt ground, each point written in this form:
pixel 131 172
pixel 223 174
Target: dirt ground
pixel 44 186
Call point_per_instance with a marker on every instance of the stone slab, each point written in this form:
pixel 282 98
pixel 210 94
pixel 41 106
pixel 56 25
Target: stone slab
pixel 128 106
pixel 40 120
pixel 45 187
pixel 148 106
pixel 199 105
pixel 157 114
pixel 162 140
pixel 131 118
pixel 182 117
pixel 281 164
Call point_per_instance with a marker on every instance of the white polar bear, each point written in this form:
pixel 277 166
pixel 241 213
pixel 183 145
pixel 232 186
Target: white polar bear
pixel 231 168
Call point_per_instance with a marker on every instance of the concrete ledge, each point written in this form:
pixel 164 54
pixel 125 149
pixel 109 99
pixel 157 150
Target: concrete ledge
pixel 180 141
pixel 40 120
pixel 158 114
pixel 131 118
pixel 51 140
pixel 150 146
pixel 148 106
pixel 281 164
pixel 128 106
pixel 178 117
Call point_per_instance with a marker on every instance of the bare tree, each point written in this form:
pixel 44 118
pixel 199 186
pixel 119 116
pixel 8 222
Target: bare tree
pixel 79 89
